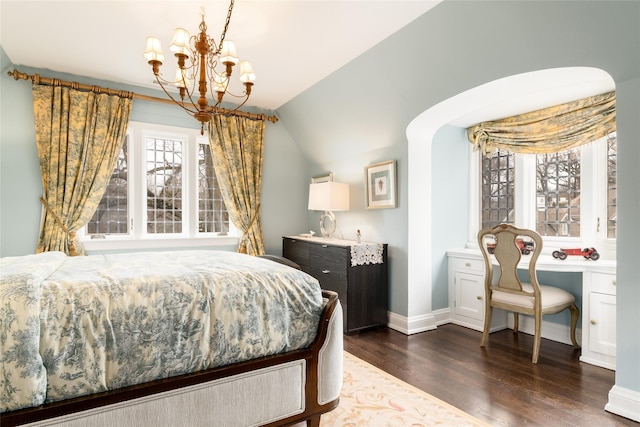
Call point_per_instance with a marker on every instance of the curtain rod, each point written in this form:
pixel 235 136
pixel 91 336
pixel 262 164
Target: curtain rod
pixel 37 79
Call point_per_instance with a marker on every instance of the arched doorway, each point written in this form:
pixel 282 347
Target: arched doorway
pixel 500 98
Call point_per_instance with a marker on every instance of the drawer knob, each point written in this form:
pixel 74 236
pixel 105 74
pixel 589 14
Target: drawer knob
pixel 613 282
pixel 325 272
pixel 479 297
pixel 467 264
pixel 593 322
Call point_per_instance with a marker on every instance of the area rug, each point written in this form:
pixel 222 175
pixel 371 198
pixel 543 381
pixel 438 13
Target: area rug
pixel 371 397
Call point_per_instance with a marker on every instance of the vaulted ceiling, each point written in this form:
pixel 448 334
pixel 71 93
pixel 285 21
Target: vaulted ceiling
pixel 291 44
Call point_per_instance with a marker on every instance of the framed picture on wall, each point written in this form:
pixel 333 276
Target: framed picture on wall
pixel 381 186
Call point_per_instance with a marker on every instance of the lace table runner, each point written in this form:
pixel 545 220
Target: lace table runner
pixel 361 253
pixel 366 253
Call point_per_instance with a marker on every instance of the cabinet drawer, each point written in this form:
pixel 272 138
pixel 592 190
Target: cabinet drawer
pixel 296 250
pixel 329 259
pixel 331 281
pixel 469 265
pixel 603 283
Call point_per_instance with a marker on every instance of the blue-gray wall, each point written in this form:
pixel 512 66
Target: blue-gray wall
pixel 361 112
pixel 451 184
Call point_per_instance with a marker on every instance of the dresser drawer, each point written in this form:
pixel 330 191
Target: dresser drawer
pixel 331 259
pixel 296 250
pixel 603 283
pixel 331 281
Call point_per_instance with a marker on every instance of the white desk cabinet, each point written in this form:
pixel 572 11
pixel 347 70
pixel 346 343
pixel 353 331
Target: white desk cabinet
pixel 598 340
pixel 599 319
pixel 466 294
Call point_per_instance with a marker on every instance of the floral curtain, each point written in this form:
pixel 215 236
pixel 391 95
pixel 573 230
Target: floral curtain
pixel 79 135
pixel 237 147
pixel 549 130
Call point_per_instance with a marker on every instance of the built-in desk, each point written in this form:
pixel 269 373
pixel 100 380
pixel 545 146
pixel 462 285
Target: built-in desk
pixel 598 334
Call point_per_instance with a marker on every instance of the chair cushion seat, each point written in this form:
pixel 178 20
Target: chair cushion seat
pixel 551 296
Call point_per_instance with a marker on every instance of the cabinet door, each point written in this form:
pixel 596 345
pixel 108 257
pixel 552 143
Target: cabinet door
pixel 602 323
pixel 469 295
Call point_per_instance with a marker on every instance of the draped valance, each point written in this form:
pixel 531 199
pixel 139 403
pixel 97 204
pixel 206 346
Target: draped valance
pixel 549 130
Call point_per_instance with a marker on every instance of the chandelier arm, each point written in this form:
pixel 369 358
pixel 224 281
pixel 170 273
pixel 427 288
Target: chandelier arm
pixel 189 92
pixel 243 102
pixel 189 99
pixel 238 96
pixel 180 103
pixel 211 74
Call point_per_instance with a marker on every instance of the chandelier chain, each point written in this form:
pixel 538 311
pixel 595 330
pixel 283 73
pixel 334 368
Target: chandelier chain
pixel 226 24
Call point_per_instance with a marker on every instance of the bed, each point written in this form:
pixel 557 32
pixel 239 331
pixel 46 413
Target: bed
pixel 176 338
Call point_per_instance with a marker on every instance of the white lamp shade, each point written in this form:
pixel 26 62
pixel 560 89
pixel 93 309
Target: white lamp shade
pixel 153 50
pixel 228 53
pixel 246 72
pixel 180 42
pixel 181 79
pixel 329 196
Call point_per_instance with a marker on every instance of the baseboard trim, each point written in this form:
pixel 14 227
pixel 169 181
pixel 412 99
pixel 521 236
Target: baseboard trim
pixel 413 325
pixel 624 402
pixel 551 331
pixel 429 322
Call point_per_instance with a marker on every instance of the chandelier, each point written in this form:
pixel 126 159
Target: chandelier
pixel 198 58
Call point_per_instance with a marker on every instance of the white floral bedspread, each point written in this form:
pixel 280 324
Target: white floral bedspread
pixel 72 326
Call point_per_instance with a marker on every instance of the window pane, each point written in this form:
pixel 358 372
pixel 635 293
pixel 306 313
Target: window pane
pixel 112 214
pixel 558 193
pixel 497 196
pixel 164 185
pixel 212 215
pixel 612 186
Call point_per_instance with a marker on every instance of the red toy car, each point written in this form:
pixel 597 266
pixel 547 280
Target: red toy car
pixel 588 253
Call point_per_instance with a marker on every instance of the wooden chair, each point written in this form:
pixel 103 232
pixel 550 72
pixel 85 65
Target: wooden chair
pixel 509 293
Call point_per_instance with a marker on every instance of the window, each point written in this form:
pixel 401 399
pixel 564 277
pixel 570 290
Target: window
pixel 558 193
pixel 498 188
pixel 163 192
pixel 564 196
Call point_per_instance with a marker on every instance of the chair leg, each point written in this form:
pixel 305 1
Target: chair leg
pixel 516 322
pixel 536 337
pixel 488 311
pixel 575 313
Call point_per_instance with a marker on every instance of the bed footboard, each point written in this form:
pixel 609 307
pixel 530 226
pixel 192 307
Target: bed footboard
pixel 278 390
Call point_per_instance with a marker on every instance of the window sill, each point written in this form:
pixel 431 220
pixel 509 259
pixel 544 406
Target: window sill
pixel 163 243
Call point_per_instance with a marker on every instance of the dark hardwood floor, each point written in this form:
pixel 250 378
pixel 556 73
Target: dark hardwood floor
pixel 498 384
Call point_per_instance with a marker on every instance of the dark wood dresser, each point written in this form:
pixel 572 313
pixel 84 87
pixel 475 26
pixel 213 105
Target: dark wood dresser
pixel 362 288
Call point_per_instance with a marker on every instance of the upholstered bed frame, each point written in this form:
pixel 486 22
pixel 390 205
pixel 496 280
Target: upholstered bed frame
pixel 283 389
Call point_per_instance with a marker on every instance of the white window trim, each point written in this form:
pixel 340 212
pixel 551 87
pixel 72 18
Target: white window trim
pixel 138 238
pixel 593 204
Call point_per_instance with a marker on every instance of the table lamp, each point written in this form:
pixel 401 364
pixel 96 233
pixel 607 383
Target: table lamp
pixel 328 197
